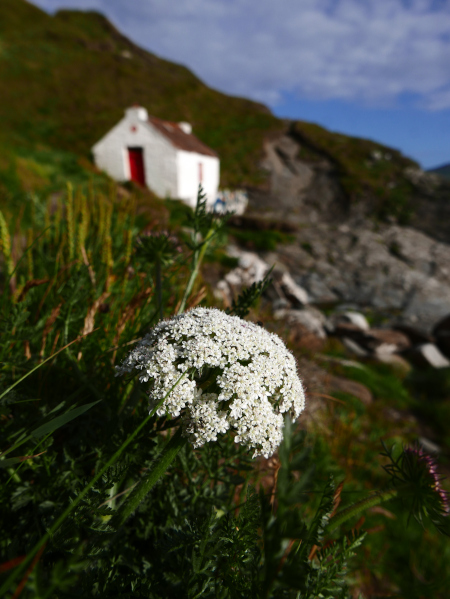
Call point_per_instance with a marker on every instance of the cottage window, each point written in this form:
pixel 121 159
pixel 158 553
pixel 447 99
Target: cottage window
pixel 200 172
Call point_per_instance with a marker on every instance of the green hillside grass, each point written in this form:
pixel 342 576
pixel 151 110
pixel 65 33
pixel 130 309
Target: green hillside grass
pixel 65 80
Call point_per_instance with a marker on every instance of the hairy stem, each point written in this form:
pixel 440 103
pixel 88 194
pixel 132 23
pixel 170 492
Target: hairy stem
pixel 169 453
pixel 196 262
pixel 159 285
pixel 360 506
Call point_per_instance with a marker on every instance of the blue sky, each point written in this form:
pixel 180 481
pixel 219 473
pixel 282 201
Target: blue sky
pixel 373 68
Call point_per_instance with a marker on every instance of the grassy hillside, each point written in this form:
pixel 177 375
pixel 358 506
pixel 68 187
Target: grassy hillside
pixel 66 79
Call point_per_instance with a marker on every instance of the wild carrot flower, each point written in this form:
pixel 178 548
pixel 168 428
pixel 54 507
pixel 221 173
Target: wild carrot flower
pixel 239 377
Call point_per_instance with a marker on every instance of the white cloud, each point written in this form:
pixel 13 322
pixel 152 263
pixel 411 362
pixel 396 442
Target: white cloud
pixel 369 51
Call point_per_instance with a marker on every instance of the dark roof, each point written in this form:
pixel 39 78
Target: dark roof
pixel 180 139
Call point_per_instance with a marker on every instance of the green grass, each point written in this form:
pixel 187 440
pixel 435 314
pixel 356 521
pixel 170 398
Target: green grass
pixel 394 555
pixel 260 240
pixel 394 560
pixel 41 170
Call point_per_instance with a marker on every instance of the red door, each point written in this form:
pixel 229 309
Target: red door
pixel 136 159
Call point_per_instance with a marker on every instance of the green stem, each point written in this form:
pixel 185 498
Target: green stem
pixel 159 285
pixel 196 262
pixel 169 453
pixel 51 531
pixel 360 506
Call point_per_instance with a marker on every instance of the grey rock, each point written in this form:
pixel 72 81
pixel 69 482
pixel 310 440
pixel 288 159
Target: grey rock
pixel 396 270
pixel 429 446
pixel 355 348
pixel 280 304
pixel 427 354
pixel 411 246
pixel 317 289
pixel 311 318
pixel 355 318
pixel 428 303
pixel 293 291
pixel 251 269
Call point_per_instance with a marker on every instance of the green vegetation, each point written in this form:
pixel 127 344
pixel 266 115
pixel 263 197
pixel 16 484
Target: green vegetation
pixel 265 240
pixel 366 170
pixel 395 559
pixel 76 298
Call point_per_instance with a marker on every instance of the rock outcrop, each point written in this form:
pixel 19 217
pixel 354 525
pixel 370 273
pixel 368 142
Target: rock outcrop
pixel 399 272
pixel 397 276
pixel 318 176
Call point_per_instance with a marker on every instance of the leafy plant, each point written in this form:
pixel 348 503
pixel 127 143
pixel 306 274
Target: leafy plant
pixel 80 513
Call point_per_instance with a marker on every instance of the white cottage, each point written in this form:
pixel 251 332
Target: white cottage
pixel 164 156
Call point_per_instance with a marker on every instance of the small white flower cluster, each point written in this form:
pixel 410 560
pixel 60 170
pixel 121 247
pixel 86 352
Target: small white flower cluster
pixel 249 377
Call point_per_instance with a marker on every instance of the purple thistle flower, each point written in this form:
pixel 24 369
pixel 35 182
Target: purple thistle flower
pixel 428 464
pixel 414 475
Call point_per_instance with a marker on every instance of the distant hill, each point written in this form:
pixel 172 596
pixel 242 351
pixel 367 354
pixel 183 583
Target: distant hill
pixel 443 171
pixel 66 79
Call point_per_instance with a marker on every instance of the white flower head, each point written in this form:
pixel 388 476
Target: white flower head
pixel 239 377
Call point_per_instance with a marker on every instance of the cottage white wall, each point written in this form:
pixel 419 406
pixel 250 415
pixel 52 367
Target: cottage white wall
pixel 160 161
pixel 109 154
pixel 188 176
pixel 160 164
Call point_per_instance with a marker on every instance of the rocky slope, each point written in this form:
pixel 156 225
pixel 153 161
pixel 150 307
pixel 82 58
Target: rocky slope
pixel 318 176
pixel 349 265
pixel 383 289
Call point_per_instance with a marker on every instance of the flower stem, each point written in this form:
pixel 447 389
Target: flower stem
pixel 196 262
pixel 169 453
pixel 360 506
pixel 159 285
